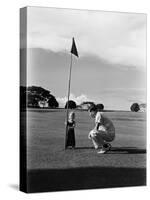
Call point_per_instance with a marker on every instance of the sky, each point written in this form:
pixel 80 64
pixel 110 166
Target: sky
pixel 111 68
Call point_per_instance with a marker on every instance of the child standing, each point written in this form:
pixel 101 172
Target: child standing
pixel 70 140
pixel 103 132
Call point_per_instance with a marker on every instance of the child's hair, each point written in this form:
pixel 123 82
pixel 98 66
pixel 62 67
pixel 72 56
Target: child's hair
pixel 93 108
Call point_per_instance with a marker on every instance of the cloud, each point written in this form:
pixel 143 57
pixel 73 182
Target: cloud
pixel 78 99
pixel 117 99
pixel 119 38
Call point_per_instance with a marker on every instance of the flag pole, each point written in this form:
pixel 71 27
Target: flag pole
pixel 67 112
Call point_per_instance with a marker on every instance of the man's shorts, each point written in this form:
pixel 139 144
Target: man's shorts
pixel 107 136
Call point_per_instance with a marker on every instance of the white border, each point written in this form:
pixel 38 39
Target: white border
pixel 9 126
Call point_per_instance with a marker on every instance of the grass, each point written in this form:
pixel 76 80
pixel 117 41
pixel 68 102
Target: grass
pixel 46 155
pixel 46 137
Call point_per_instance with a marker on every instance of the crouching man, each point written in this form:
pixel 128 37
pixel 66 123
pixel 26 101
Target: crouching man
pixel 103 132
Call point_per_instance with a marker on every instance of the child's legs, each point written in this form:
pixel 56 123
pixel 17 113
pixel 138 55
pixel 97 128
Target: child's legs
pixel 71 137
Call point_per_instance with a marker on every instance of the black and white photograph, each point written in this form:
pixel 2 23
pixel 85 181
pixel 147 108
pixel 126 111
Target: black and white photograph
pixel 82 99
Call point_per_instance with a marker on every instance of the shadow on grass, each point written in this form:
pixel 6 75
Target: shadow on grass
pixel 44 180
pixel 120 150
pixel 14 186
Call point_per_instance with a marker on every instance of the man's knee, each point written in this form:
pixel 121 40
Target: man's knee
pixel 92 133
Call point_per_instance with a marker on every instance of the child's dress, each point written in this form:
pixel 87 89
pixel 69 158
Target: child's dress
pixel 70 134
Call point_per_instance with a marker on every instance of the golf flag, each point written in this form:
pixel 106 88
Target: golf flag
pixel 74 48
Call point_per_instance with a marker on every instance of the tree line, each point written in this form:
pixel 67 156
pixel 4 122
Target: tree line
pixel 38 97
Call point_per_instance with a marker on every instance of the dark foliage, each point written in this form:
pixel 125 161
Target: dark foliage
pixel 88 102
pixel 100 106
pixel 71 105
pixel 52 102
pixel 31 96
pixel 135 107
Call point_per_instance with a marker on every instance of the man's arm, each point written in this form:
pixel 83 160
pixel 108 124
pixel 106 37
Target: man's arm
pixel 97 126
pixel 97 121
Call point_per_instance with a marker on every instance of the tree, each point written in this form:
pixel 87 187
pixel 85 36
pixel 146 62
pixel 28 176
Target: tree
pixel 32 101
pixel 87 105
pixel 52 102
pixel 38 91
pixel 135 107
pixel 100 106
pixel 35 95
pixel 88 102
pixel 71 105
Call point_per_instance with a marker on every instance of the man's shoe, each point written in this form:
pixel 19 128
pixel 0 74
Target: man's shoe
pixel 102 151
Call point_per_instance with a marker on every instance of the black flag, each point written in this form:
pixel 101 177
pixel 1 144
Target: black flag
pixel 74 48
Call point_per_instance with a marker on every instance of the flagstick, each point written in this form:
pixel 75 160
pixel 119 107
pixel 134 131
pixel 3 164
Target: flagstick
pixel 68 101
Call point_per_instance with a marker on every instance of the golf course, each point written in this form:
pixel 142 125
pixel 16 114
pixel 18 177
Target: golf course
pixel 58 169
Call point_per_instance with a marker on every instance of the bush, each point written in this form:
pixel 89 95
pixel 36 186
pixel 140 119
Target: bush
pixel 71 105
pixel 100 106
pixel 135 107
pixel 52 102
pixel 87 105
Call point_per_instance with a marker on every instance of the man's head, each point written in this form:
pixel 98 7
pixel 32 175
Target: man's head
pixel 93 111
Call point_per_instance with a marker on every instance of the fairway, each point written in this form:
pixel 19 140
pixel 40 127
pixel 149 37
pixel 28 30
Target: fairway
pixel 52 168
pixel 46 136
